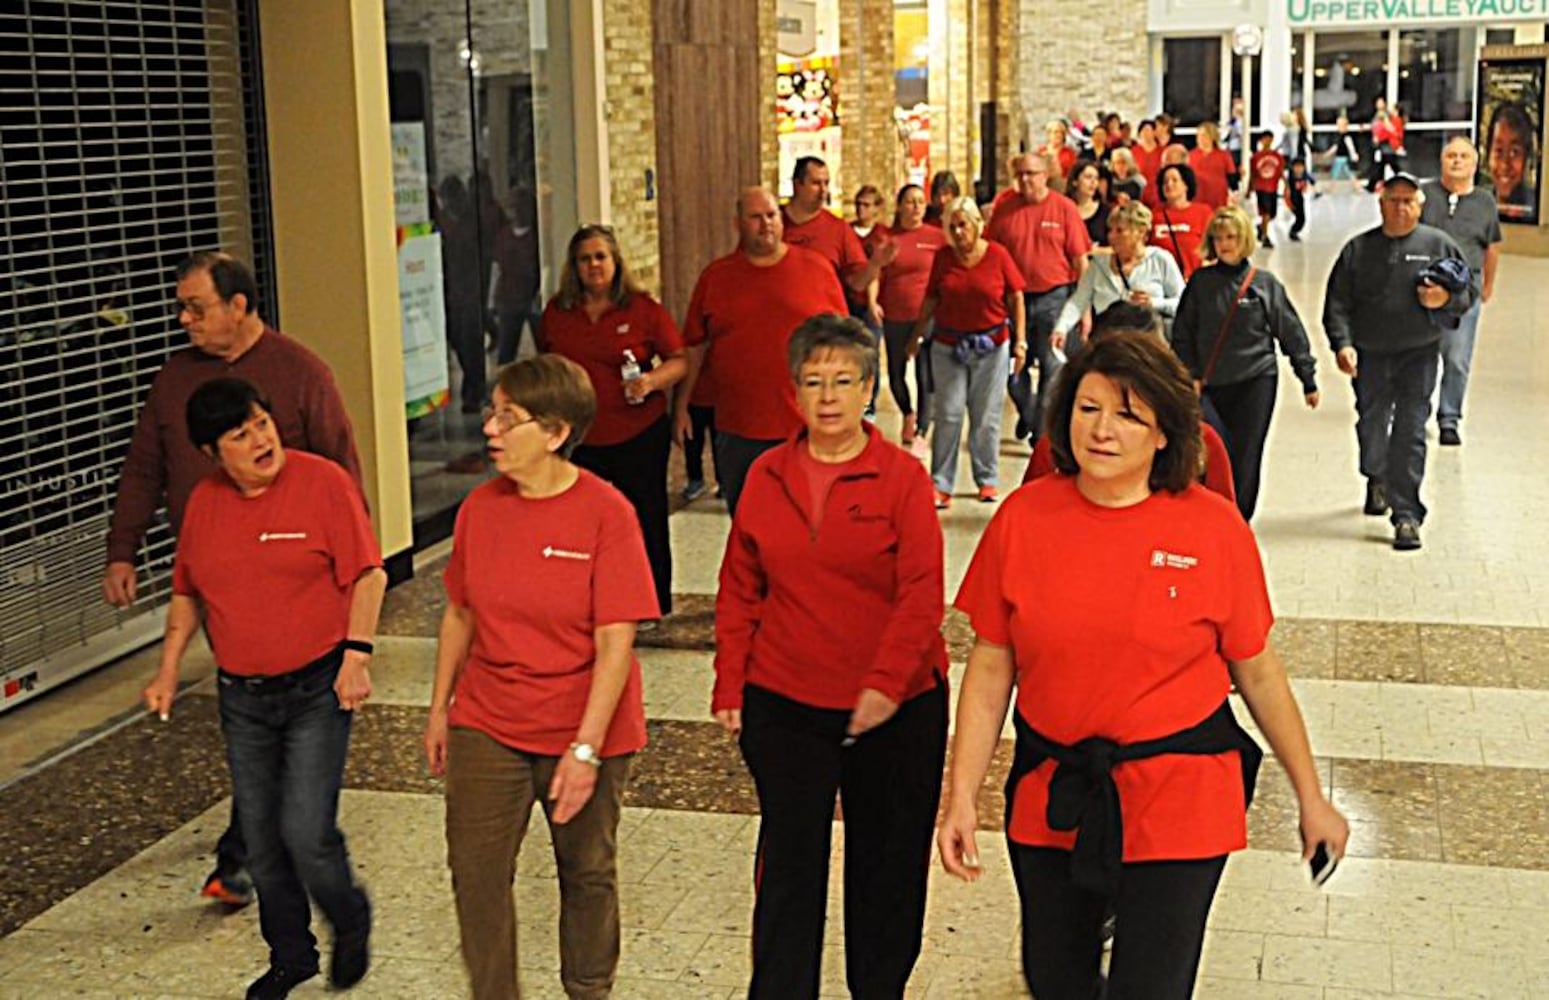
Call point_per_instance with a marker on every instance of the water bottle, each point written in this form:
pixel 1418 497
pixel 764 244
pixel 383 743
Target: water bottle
pixel 630 370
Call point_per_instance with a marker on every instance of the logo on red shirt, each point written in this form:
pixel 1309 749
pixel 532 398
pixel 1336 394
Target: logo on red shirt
pixel 282 536
pixel 1162 559
pixel 550 552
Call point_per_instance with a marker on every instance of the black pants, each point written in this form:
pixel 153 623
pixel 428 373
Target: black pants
pixel 734 455
pixel 1160 916
pixel 1299 214
pixel 703 420
pixel 889 783
pixel 638 467
pixel 896 336
pixel 1244 409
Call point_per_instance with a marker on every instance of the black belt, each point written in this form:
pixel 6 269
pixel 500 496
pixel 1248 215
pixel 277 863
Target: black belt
pixel 277 683
pixel 1083 796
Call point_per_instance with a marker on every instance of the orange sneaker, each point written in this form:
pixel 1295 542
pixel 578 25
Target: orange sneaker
pixel 943 500
pixel 988 494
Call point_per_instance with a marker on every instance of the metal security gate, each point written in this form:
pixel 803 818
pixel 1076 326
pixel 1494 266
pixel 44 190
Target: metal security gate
pixel 130 136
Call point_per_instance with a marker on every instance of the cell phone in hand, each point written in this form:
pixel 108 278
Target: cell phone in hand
pixel 1322 865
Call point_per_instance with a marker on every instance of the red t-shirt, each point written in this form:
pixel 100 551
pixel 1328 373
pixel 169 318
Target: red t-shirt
pixel 1218 464
pixel 1154 600
pixel 275 572
pixel 970 299
pixel 747 314
pixel 1047 239
pixel 1180 231
pixel 869 244
pixel 1210 173
pixel 1148 162
pixel 1267 167
pixel 904 280
pixel 828 236
pixel 540 576
pixel 642 327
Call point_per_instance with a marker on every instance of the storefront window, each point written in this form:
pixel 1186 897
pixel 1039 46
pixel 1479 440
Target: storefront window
pixel 1436 74
pixel 484 168
pixel 1349 74
pixel 1257 116
pixel 1191 79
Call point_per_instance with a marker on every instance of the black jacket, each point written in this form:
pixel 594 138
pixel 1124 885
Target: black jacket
pixel 1264 317
pixel 1371 303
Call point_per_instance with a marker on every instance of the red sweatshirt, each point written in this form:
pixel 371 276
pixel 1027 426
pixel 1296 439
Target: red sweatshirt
pixel 816 615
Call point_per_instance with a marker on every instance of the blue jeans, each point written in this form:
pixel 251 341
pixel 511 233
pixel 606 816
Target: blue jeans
pixel 978 386
pixel 286 746
pixel 1457 356
pixel 1042 309
pixel 1392 402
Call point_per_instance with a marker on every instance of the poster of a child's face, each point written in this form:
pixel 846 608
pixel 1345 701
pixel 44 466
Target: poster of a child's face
pixel 1510 114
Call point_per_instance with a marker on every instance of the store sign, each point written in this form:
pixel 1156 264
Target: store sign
pixel 1347 13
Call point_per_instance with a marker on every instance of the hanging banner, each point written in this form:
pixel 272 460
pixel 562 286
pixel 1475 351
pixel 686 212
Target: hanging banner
pixel 425 377
pixel 1511 116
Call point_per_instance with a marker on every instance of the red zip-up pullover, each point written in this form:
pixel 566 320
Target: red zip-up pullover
pixel 817 615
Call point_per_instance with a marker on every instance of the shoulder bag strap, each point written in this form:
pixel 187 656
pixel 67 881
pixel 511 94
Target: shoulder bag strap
pixel 1173 235
pixel 1226 325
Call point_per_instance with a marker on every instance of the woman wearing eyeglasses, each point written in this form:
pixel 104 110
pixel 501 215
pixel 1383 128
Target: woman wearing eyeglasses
pixel 633 353
pixel 831 671
pixel 537 692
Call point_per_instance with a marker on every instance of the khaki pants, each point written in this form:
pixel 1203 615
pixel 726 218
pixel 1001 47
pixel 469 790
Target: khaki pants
pixel 490 791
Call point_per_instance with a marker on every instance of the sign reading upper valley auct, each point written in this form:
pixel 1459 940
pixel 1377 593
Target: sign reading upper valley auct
pixel 1329 13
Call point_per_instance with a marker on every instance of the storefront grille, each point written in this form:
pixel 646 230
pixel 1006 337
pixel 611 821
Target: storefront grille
pixel 127 140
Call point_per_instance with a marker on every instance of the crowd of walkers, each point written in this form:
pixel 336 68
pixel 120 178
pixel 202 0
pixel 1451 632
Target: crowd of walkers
pixel 1110 294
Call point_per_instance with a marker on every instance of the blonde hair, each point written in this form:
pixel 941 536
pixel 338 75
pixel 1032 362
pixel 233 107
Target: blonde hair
pixel 624 285
pixel 1211 129
pixel 1131 215
pixel 1232 219
pixel 968 207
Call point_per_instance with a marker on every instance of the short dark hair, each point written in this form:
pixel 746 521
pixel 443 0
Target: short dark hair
pixel 1144 122
pixel 804 164
pixel 1515 117
pixel 1143 366
pixel 944 180
pixel 830 331
pixel 1190 184
pixel 553 390
pixel 219 406
pixel 230 276
pixel 1081 165
pixel 1126 315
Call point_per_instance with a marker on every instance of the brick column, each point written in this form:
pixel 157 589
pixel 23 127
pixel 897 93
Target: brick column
pixel 867 96
pixel 951 128
pixel 1082 54
pixel 630 107
pixel 768 58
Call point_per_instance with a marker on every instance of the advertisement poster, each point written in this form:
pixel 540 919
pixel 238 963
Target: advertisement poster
pixel 411 181
pixel 1511 115
pixel 807 115
pixel 425 375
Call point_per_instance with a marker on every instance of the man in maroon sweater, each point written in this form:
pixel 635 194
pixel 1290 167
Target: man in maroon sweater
pixel 217 305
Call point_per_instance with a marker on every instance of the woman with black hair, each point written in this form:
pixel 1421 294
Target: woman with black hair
pixel 1179 222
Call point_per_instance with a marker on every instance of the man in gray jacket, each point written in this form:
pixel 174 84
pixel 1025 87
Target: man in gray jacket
pixel 1384 321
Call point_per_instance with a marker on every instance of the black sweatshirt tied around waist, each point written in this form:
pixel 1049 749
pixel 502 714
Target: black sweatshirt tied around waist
pixel 1083 796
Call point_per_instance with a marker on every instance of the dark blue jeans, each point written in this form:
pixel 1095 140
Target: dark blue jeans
pixel 1392 402
pixel 1041 309
pixel 286 745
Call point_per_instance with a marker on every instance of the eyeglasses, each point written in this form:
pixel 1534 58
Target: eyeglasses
pixel 194 307
pixel 839 383
pixel 504 420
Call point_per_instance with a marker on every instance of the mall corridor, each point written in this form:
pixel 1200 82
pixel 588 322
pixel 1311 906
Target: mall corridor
pixel 1424 678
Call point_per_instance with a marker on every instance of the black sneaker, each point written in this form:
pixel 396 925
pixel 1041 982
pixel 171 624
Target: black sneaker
pixel 1296 237
pixel 277 983
pixel 235 889
pixel 351 954
pixel 1406 536
pixel 693 490
pixel 1267 243
pixel 1450 437
pixel 1376 499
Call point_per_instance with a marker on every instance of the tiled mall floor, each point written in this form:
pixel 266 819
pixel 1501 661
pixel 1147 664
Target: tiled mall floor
pixel 1424 678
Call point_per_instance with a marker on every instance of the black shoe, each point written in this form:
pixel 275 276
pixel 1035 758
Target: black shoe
pixel 1268 243
pixel 1450 437
pixel 1296 238
pixel 277 983
pixel 1020 431
pixel 1406 536
pixel 351 954
pixel 1376 499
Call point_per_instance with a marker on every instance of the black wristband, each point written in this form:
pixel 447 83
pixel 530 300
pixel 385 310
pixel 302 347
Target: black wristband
pixel 357 646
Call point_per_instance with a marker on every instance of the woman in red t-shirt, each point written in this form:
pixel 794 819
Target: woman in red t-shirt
pixel 537 694
pixel 633 354
pixel 1214 169
pixel 830 667
pixel 974 297
pixel 901 296
pixel 1180 222
pixel 1131 776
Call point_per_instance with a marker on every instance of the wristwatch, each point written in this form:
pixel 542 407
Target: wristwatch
pixel 586 754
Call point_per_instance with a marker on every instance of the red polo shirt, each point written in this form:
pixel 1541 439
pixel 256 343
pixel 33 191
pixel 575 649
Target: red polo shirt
pixel 540 576
pixel 904 280
pixel 747 314
pixel 828 236
pixel 1154 600
pixel 1046 239
pixel 969 299
pixel 642 327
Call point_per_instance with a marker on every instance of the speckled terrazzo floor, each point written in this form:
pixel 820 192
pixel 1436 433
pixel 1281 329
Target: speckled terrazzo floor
pixel 1424 681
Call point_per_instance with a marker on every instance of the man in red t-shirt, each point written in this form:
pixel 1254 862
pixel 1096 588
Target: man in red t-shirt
pixel 809 224
pixel 1046 236
pixel 1266 170
pixel 743 311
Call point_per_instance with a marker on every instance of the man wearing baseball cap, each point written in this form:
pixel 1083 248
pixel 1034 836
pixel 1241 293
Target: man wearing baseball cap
pixel 1388 298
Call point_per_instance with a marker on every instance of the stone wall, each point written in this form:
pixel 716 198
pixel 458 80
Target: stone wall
pixel 952 130
pixel 630 107
pixel 872 152
pixel 1081 54
pixel 768 60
